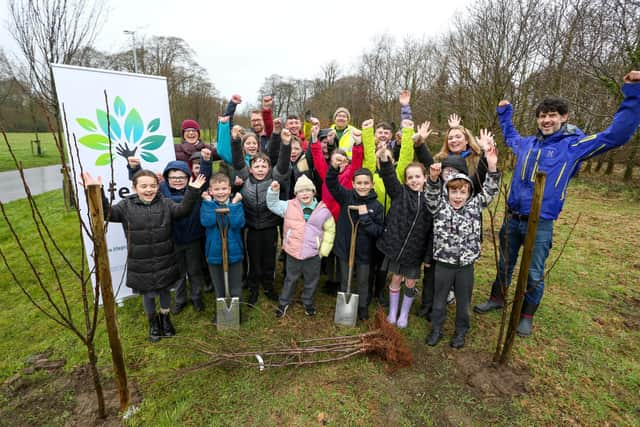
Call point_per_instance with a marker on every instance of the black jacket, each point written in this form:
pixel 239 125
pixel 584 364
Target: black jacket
pixel 151 263
pixel 408 221
pixel 371 225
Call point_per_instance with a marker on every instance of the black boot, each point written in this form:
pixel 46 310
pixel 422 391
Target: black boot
pixel 458 340
pixel 165 323
pixel 253 295
pixel 269 292
pixel 434 337
pixel 154 327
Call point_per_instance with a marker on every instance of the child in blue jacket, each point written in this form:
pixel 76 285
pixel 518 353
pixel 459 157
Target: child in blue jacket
pixel 218 196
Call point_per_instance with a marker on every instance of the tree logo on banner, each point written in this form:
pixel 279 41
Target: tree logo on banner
pixel 128 134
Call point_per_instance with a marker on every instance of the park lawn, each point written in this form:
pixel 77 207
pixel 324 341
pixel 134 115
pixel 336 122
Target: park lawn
pixel 581 363
pixel 21 146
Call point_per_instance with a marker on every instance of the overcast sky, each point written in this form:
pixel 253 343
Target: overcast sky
pixel 242 42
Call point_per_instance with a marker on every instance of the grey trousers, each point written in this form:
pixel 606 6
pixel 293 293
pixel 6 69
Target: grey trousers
pixel 310 270
pixel 362 272
pixel 149 300
pixel 462 280
pixel 189 260
pixel 235 279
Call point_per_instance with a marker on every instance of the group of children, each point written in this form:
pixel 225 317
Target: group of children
pixel 277 185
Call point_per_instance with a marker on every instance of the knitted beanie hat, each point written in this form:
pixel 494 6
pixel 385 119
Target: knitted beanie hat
pixel 457 162
pixel 190 124
pixel 304 183
pixel 342 110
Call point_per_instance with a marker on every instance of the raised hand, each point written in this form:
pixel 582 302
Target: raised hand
pixel 405 97
pixel 238 181
pixel 503 103
pixel 267 102
pixel 492 158
pixel 236 99
pixel 485 140
pixel 237 132
pixel 206 154
pixel 275 186
pixel 237 198
pixel 206 196
pixel 632 76
pixel 367 124
pixel 434 171
pixel 315 130
pixel 133 162
pixel 88 180
pixel 425 130
pixel 286 136
pixel 277 125
pixel 198 182
pixel 362 210
pixel 383 154
pixel 454 120
pixel 406 123
pixel 357 136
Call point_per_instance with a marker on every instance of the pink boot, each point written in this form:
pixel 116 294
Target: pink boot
pixel 394 299
pixel 403 320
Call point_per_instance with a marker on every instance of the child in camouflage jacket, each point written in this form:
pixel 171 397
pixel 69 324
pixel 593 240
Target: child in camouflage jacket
pixel 457 226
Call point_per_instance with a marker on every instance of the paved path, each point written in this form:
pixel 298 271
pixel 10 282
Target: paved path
pixel 40 180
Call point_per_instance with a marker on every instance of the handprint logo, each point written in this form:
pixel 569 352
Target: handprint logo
pixel 127 131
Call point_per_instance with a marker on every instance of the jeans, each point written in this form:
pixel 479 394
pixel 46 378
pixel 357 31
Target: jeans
pixel 512 235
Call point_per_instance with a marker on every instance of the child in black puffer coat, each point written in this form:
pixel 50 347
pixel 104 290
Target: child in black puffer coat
pixel 146 218
pixel 404 242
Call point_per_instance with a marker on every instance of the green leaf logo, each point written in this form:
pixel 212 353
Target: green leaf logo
pixel 127 131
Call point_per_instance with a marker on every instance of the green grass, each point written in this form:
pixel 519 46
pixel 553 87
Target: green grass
pixel 582 359
pixel 21 146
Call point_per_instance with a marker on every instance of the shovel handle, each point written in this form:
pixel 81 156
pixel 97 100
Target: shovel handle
pixel 354 207
pixel 222 210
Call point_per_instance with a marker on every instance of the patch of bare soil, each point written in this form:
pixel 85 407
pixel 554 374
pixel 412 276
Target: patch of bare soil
pixel 43 394
pixel 476 370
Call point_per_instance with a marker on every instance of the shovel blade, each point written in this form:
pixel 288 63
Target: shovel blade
pixel 228 314
pixel 346 309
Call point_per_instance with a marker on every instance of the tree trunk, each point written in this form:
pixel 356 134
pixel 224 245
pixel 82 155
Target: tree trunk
pixel 525 263
pixel 600 162
pixel 97 384
pixel 610 164
pixel 103 278
pixel 631 159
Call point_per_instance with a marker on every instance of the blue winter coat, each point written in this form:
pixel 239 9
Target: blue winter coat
pixel 559 155
pixel 235 219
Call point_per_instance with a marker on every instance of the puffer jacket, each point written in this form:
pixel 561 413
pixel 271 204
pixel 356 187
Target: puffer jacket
pixel 407 223
pixel 371 225
pixel 456 232
pixel 151 263
pixel 235 220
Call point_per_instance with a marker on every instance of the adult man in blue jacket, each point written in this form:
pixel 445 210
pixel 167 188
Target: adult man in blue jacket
pixel 557 149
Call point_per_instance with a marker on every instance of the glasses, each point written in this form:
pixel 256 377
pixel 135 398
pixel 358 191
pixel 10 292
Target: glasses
pixel 177 178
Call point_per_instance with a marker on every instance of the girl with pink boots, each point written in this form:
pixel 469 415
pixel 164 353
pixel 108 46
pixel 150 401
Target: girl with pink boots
pixel 404 242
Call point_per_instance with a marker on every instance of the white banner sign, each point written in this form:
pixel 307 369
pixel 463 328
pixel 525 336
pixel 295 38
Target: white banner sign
pixel 139 124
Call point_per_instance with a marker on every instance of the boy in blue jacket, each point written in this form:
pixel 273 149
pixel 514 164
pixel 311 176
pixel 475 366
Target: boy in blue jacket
pixel 218 196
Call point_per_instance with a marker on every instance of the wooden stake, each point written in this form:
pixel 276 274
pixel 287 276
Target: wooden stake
pixel 525 263
pixel 103 277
